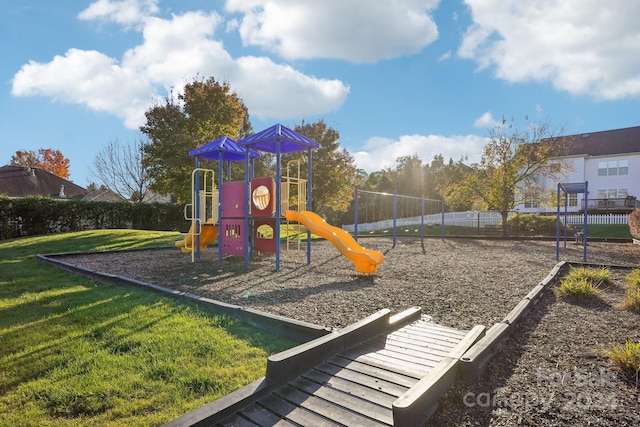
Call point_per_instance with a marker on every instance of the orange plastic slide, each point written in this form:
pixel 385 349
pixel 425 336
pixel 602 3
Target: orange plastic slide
pixel 365 261
pixel 208 235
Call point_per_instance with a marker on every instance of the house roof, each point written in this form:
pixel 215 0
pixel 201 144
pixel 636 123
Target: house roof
pixel 18 181
pixel 102 196
pixel 603 143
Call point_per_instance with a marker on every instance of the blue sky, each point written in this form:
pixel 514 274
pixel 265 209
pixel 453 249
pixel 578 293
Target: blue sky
pixel 393 77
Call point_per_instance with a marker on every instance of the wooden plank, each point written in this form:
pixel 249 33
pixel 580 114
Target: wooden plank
pixel 325 409
pixel 424 337
pixel 435 348
pixel 374 371
pixel 369 381
pixel 429 332
pixel 262 417
pixel 432 328
pixel 412 348
pixel 237 421
pixel 392 364
pixel 379 396
pixel 346 401
pixel 427 360
pixel 293 412
pixel 435 328
pixel 429 337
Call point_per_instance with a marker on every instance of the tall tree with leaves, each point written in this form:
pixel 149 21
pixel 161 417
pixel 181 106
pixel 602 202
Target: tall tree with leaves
pixel 334 170
pixel 512 165
pixel 204 111
pixel 46 158
pixel 443 183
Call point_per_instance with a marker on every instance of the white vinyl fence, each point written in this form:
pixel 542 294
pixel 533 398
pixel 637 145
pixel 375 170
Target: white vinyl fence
pixel 476 219
pixel 613 219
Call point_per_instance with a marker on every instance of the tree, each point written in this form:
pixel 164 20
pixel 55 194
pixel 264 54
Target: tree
pixel 513 165
pixel 121 169
pixel 204 111
pixel 334 170
pixel 444 183
pixel 46 158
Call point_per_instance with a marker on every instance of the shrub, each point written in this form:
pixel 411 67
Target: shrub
pixel 627 358
pixel 633 278
pixel 532 224
pixel 583 283
pixel 32 216
pixel 634 223
pixel 597 277
pixel 632 299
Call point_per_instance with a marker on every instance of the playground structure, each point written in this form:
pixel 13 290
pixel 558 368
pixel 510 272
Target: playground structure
pixel 246 216
pixel 566 189
pixel 202 212
pixel 395 198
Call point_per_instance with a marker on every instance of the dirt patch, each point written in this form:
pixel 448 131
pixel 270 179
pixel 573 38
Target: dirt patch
pixel 551 371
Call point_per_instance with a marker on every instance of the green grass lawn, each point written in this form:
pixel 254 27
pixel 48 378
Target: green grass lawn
pixel 77 352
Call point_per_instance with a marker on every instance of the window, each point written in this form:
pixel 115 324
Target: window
pixel 623 167
pixel 613 167
pixel 602 168
pixel 613 193
pixel 573 199
pixel 531 202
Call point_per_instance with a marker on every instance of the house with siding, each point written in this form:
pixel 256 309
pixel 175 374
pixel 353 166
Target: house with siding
pixel 609 161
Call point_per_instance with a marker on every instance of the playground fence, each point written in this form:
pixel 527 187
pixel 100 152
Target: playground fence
pixel 478 219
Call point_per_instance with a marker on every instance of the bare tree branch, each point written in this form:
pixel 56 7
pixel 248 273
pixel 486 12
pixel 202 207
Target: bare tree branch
pixel 120 168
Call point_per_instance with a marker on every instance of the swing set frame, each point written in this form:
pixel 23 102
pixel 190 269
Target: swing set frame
pixel 395 197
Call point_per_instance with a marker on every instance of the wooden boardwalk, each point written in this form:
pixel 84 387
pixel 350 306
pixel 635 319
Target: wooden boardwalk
pixel 358 385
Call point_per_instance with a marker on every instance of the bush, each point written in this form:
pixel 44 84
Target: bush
pixel 634 223
pixel 632 299
pixel 32 216
pixel 627 358
pixel 583 283
pixel 532 224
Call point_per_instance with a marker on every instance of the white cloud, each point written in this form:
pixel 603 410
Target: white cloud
pixel 172 52
pixel 124 12
pixel 445 56
pixel 379 153
pixel 89 78
pixel 583 47
pixel 276 91
pixel 354 30
pixel 486 121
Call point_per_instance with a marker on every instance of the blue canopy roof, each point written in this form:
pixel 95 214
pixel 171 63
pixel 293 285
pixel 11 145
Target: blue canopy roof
pixel 231 151
pixel 290 141
pixel 573 187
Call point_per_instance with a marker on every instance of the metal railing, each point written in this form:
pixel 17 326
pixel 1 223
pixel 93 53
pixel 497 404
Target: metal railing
pixel 621 204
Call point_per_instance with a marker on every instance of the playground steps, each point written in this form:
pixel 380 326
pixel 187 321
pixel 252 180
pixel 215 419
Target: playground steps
pixel 382 371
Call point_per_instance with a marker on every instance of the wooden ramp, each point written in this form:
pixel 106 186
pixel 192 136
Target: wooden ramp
pixel 382 371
